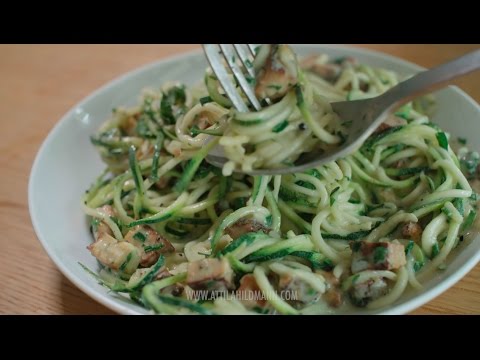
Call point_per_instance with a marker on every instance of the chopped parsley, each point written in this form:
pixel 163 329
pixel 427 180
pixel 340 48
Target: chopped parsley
pixel 205 100
pixel 435 250
pixel 442 140
pixel 150 248
pixel 380 254
pixel 173 99
pixel 280 126
pixel 139 236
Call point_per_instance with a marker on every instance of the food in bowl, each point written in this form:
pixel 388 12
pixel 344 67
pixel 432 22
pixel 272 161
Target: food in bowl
pixel 180 236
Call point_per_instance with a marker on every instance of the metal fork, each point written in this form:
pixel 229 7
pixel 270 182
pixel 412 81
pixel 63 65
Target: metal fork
pixel 364 115
pixel 230 52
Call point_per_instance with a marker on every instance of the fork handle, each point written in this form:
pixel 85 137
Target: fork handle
pixel 430 80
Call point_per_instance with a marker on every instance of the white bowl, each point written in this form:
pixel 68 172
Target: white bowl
pixel 67 164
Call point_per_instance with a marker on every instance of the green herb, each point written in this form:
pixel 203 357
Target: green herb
pixel 409 248
pixel 289 195
pixel 268 221
pixel 205 100
pixel 139 236
pixel 314 172
pixel 442 140
pixel 299 95
pixel 417 265
pixel 355 278
pixel 248 63
pixel 174 97
pixel 251 80
pixel 280 127
pixel 305 184
pixel 380 254
pixel 150 248
pixel 435 250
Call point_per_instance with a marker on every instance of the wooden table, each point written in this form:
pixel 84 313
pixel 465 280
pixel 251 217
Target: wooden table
pixel 38 84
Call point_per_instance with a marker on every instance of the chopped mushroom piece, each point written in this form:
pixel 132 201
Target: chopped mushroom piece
pixel 296 291
pixel 174 290
pixel 117 255
pixel 278 75
pixel 412 231
pixel 391 121
pixel 317 65
pixel 163 274
pixel 150 243
pixel 362 293
pixel 244 226
pixel 377 256
pixel 210 274
pixel 333 296
pixel 100 228
pixel 249 294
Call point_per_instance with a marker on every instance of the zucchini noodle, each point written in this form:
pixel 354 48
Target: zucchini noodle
pixel 179 236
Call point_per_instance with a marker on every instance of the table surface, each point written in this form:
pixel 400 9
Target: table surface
pixel 39 83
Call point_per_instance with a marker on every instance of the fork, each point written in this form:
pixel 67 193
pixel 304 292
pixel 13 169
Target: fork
pixel 364 115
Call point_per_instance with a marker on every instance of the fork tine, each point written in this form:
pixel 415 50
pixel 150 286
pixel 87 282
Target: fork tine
pixel 229 55
pixel 212 53
pixel 252 48
pixel 245 58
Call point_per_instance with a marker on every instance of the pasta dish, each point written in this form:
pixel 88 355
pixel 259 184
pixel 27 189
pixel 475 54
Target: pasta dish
pixel 180 236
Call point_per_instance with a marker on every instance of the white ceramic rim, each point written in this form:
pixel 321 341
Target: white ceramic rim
pixel 109 302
